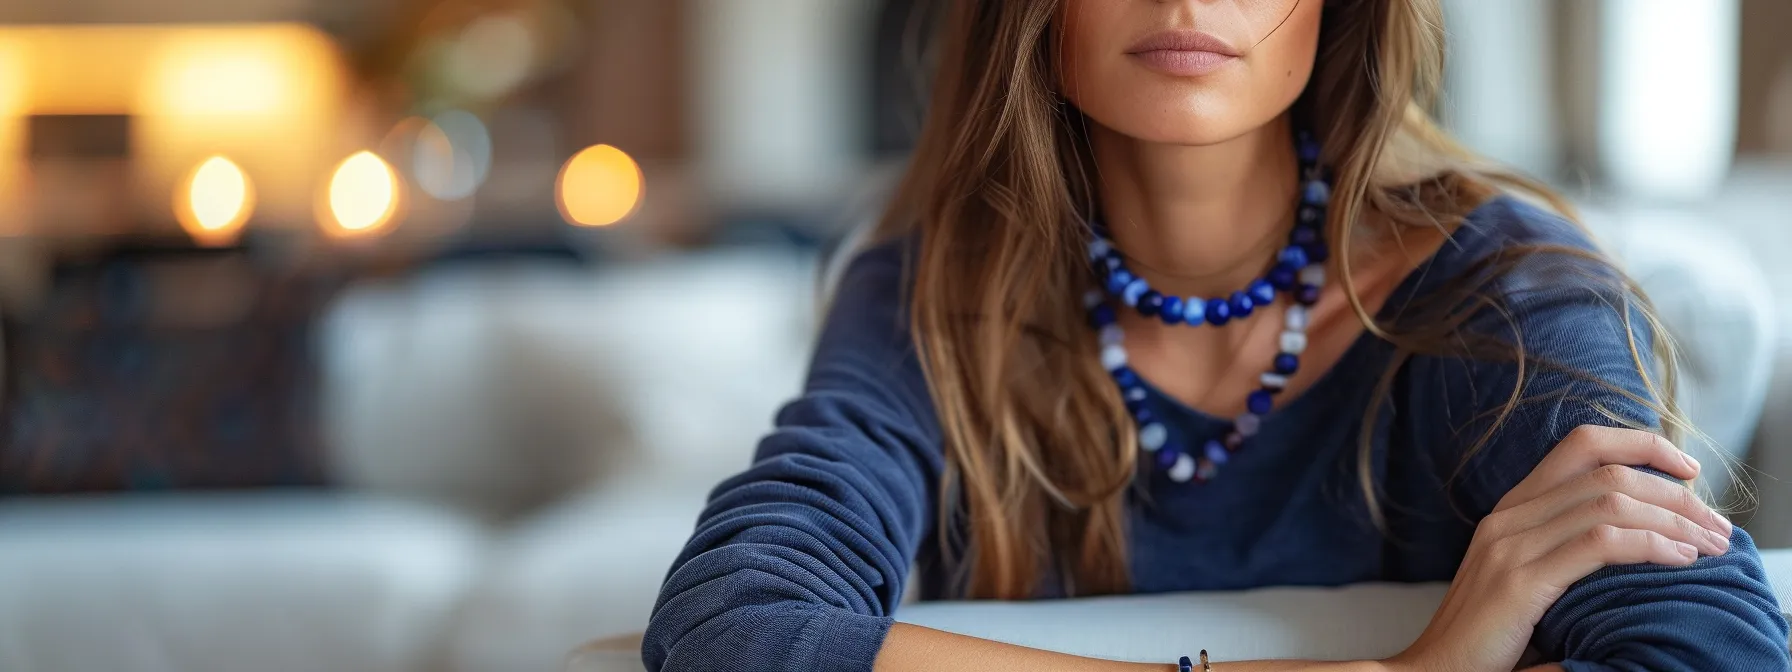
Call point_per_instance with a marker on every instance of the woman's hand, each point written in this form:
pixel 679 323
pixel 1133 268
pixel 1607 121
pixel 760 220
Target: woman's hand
pixel 1581 509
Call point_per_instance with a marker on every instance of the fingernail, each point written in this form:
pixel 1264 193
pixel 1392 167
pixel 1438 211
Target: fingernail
pixel 1719 542
pixel 1724 525
pixel 1690 462
pixel 1687 551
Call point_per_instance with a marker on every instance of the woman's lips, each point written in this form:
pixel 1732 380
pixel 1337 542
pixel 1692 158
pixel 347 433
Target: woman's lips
pixel 1183 53
pixel 1184 63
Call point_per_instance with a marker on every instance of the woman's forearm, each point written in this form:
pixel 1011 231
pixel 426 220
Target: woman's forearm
pixel 912 648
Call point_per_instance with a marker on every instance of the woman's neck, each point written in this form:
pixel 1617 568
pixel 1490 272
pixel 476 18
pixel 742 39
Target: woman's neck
pixel 1201 221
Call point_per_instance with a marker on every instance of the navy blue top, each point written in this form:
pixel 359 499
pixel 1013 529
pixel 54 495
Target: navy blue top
pixel 799 562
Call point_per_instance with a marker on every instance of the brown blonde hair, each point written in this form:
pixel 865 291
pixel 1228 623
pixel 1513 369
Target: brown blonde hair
pixel 1039 447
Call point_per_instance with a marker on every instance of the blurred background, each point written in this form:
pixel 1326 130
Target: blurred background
pixel 409 334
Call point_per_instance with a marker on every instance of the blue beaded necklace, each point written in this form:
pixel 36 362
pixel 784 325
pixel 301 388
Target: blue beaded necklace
pixel 1299 270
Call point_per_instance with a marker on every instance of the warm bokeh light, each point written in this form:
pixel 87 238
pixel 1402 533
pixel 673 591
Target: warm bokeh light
pixel 599 186
pixel 269 95
pixel 216 201
pixel 231 73
pixel 362 197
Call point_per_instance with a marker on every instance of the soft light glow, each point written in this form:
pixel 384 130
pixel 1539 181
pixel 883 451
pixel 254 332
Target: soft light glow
pixel 215 202
pixel 599 186
pixel 226 75
pixel 363 195
pixel 452 155
pixel 492 56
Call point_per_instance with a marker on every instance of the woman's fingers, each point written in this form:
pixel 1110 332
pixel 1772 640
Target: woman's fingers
pixel 1641 486
pixel 1590 447
pixel 1620 510
pixel 1600 546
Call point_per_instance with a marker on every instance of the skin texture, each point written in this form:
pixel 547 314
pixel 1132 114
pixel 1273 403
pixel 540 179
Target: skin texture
pixel 1197 182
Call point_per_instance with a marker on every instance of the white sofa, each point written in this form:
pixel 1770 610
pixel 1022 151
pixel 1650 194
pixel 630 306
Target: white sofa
pixel 524 450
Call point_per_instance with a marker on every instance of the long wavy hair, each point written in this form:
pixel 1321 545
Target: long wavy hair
pixel 1040 450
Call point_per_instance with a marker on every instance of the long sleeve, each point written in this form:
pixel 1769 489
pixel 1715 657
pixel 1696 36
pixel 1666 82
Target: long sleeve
pixel 798 562
pixel 1716 614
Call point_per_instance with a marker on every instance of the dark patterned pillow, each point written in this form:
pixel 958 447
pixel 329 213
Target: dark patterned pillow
pixel 151 371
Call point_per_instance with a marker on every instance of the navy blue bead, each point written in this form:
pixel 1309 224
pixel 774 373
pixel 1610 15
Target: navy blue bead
pixel 1183 664
pixel 1304 235
pixel 1218 312
pixel 1102 315
pixel 1112 261
pixel 1126 377
pixel 1151 303
pixel 1310 216
pixel 1242 305
pixel 1144 416
pixel 1309 150
pixel 1308 295
pixel 1317 252
pixel 1262 293
pixel 1259 402
pixel 1216 451
pixel 1172 311
pixel 1118 280
pixel 1282 278
pixel 1167 455
pixel 1136 406
pixel 1286 364
pixel 1294 255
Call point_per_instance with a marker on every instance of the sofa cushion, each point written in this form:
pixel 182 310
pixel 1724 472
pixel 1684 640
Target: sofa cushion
pixel 268 582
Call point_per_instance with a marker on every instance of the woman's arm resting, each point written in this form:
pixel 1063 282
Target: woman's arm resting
pixel 911 648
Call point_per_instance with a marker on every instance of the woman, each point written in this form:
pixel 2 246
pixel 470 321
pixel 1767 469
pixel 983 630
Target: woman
pixel 1194 296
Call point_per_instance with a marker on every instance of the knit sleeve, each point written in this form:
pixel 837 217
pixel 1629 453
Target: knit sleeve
pixel 1719 613
pixel 798 562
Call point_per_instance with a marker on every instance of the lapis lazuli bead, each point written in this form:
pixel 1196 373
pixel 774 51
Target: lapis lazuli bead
pixel 1309 216
pixel 1317 193
pixel 1317 252
pixel 1286 364
pixel 1118 280
pixel 1194 311
pixel 1294 255
pixel 1151 303
pixel 1242 305
pixel 1219 312
pixel 1102 315
pixel 1259 402
pixel 1308 295
pixel 1143 416
pixel 1282 278
pixel 1216 451
pixel 1304 235
pixel 1127 378
pixel 1134 291
pixel 1167 456
pixel 1135 406
pixel 1112 261
pixel 1262 293
pixel 1171 313
pixel 1309 150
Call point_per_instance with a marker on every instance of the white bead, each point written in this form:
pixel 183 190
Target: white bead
pixel 1098 248
pixel 1112 335
pixel 1153 436
pixel 1091 299
pixel 1296 318
pixel 1248 424
pixel 1294 342
pixel 1184 469
pixel 1135 394
pixel 1113 357
pixel 1274 380
pixel 1313 275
